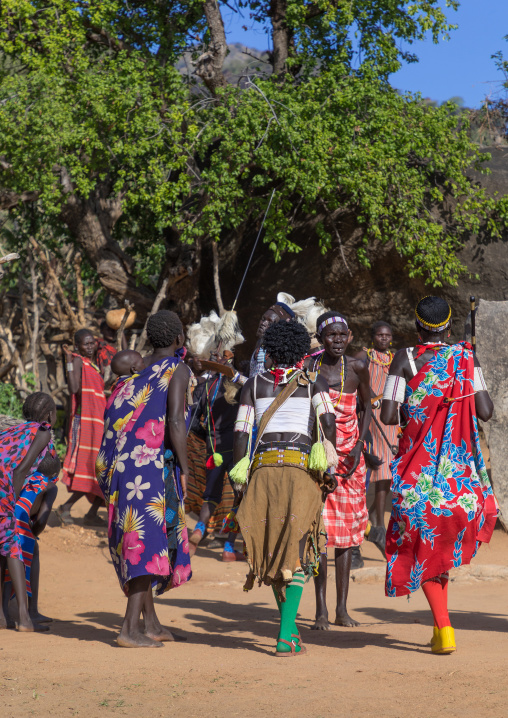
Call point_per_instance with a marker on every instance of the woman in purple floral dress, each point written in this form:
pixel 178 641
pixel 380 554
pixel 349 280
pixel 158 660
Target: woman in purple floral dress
pixel 142 469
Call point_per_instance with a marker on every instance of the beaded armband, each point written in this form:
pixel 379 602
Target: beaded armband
pixel 395 388
pixel 322 403
pixel 479 381
pixel 245 418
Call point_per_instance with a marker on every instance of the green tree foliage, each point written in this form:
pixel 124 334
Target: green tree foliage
pixel 101 130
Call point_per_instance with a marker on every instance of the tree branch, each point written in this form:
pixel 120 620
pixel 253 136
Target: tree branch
pixel 216 280
pixel 52 274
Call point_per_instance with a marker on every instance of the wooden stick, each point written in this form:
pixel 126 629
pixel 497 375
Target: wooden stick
pixel 9 257
pixel 80 293
pixel 216 279
pixel 51 272
pixel 128 309
pixel 35 331
pixel 473 323
pixel 155 308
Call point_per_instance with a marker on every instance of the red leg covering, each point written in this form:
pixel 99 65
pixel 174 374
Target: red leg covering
pixel 437 596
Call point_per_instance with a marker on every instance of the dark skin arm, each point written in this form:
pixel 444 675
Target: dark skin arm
pixel 241 438
pixel 41 440
pixel 364 393
pixel 390 409
pixel 400 367
pixel 74 376
pixel 176 420
pixel 482 401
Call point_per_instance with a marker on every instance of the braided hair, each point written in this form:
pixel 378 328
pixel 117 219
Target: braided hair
pixel 163 328
pixel 37 406
pixel 286 342
pixel 433 314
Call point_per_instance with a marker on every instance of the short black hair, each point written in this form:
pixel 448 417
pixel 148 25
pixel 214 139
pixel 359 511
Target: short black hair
pixel 433 312
pixel 328 315
pixel 378 325
pixel 286 342
pixel 37 406
pixel 163 328
pixel 81 333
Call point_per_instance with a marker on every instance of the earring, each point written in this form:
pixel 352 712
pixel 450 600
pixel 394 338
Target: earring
pixel 391 343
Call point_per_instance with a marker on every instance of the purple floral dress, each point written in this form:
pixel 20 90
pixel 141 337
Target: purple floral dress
pixel 14 444
pixel 140 481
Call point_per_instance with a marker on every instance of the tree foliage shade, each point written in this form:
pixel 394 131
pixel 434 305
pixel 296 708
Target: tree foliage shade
pixel 127 156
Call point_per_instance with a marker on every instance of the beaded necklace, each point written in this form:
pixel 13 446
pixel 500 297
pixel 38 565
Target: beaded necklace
pixel 337 401
pixel 375 360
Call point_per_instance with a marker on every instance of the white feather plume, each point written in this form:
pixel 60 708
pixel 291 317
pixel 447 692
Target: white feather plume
pixel 204 337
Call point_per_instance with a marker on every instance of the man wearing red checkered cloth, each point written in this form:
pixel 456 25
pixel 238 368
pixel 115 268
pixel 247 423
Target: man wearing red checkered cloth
pixel 345 514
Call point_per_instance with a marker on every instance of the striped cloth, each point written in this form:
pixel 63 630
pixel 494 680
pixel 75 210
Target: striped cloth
pixel 345 513
pixel 85 433
pixel 196 483
pixel 380 448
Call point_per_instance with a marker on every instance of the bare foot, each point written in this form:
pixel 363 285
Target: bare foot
pixel 29 627
pixel 164 634
pixel 137 640
pixel 192 549
pixel 39 617
pixel 344 619
pixel 321 624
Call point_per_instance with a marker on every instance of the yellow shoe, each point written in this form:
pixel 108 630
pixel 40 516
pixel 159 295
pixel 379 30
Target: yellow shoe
pixel 445 641
pixel 435 634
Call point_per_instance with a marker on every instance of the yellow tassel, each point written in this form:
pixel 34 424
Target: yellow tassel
pixel 217 459
pixel 238 473
pixel 317 458
pixel 331 454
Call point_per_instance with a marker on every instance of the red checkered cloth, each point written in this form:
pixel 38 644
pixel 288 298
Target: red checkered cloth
pixel 85 433
pixel 345 513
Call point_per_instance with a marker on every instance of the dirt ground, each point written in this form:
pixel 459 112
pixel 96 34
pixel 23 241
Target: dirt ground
pixel 227 667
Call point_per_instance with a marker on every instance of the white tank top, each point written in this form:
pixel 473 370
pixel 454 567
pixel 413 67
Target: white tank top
pixel 295 416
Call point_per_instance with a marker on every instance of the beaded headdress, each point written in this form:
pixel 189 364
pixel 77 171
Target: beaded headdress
pixel 331 320
pixel 439 327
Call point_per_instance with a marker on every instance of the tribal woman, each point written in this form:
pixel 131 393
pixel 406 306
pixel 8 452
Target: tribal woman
pixel 384 438
pixel 345 513
pixel 443 504
pixel 23 449
pixel 142 469
pixel 86 422
pixel 280 515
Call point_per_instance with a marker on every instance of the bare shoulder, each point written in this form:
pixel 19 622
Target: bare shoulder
pixel 320 385
pixel 399 362
pixel 362 355
pixel 359 366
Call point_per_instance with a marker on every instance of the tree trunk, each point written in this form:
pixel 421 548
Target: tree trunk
pixel 91 222
pixel 209 64
pixel 280 36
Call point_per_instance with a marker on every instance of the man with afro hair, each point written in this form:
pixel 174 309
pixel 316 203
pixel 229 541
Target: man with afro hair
pixel 280 515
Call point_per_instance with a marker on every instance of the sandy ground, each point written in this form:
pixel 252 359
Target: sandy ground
pixel 227 667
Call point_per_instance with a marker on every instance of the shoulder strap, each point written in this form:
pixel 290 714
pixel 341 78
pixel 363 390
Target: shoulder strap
pixel 412 364
pixel 279 400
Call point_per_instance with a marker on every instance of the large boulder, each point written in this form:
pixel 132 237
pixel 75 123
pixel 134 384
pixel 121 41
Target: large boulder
pixel 491 335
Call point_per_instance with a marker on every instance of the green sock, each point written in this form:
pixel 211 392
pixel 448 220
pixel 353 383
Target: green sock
pixel 276 597
pixel 288 610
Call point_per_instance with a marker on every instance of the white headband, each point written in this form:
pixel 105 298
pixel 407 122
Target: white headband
pixel 331 320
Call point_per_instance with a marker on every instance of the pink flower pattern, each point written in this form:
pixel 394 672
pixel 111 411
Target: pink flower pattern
pixel 152 433
pixel 132 547
pixel 159 565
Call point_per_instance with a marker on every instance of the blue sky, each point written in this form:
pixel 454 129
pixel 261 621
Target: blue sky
pixel 461 66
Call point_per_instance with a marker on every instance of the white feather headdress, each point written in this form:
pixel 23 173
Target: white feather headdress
pixel 307 310
pixel 204 336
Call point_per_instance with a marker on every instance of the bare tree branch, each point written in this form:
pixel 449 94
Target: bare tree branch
pixel 209 64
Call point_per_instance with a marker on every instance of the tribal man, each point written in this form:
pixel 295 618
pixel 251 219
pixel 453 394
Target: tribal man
pixel 345 513
pixel 280 311
pixel 443 505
